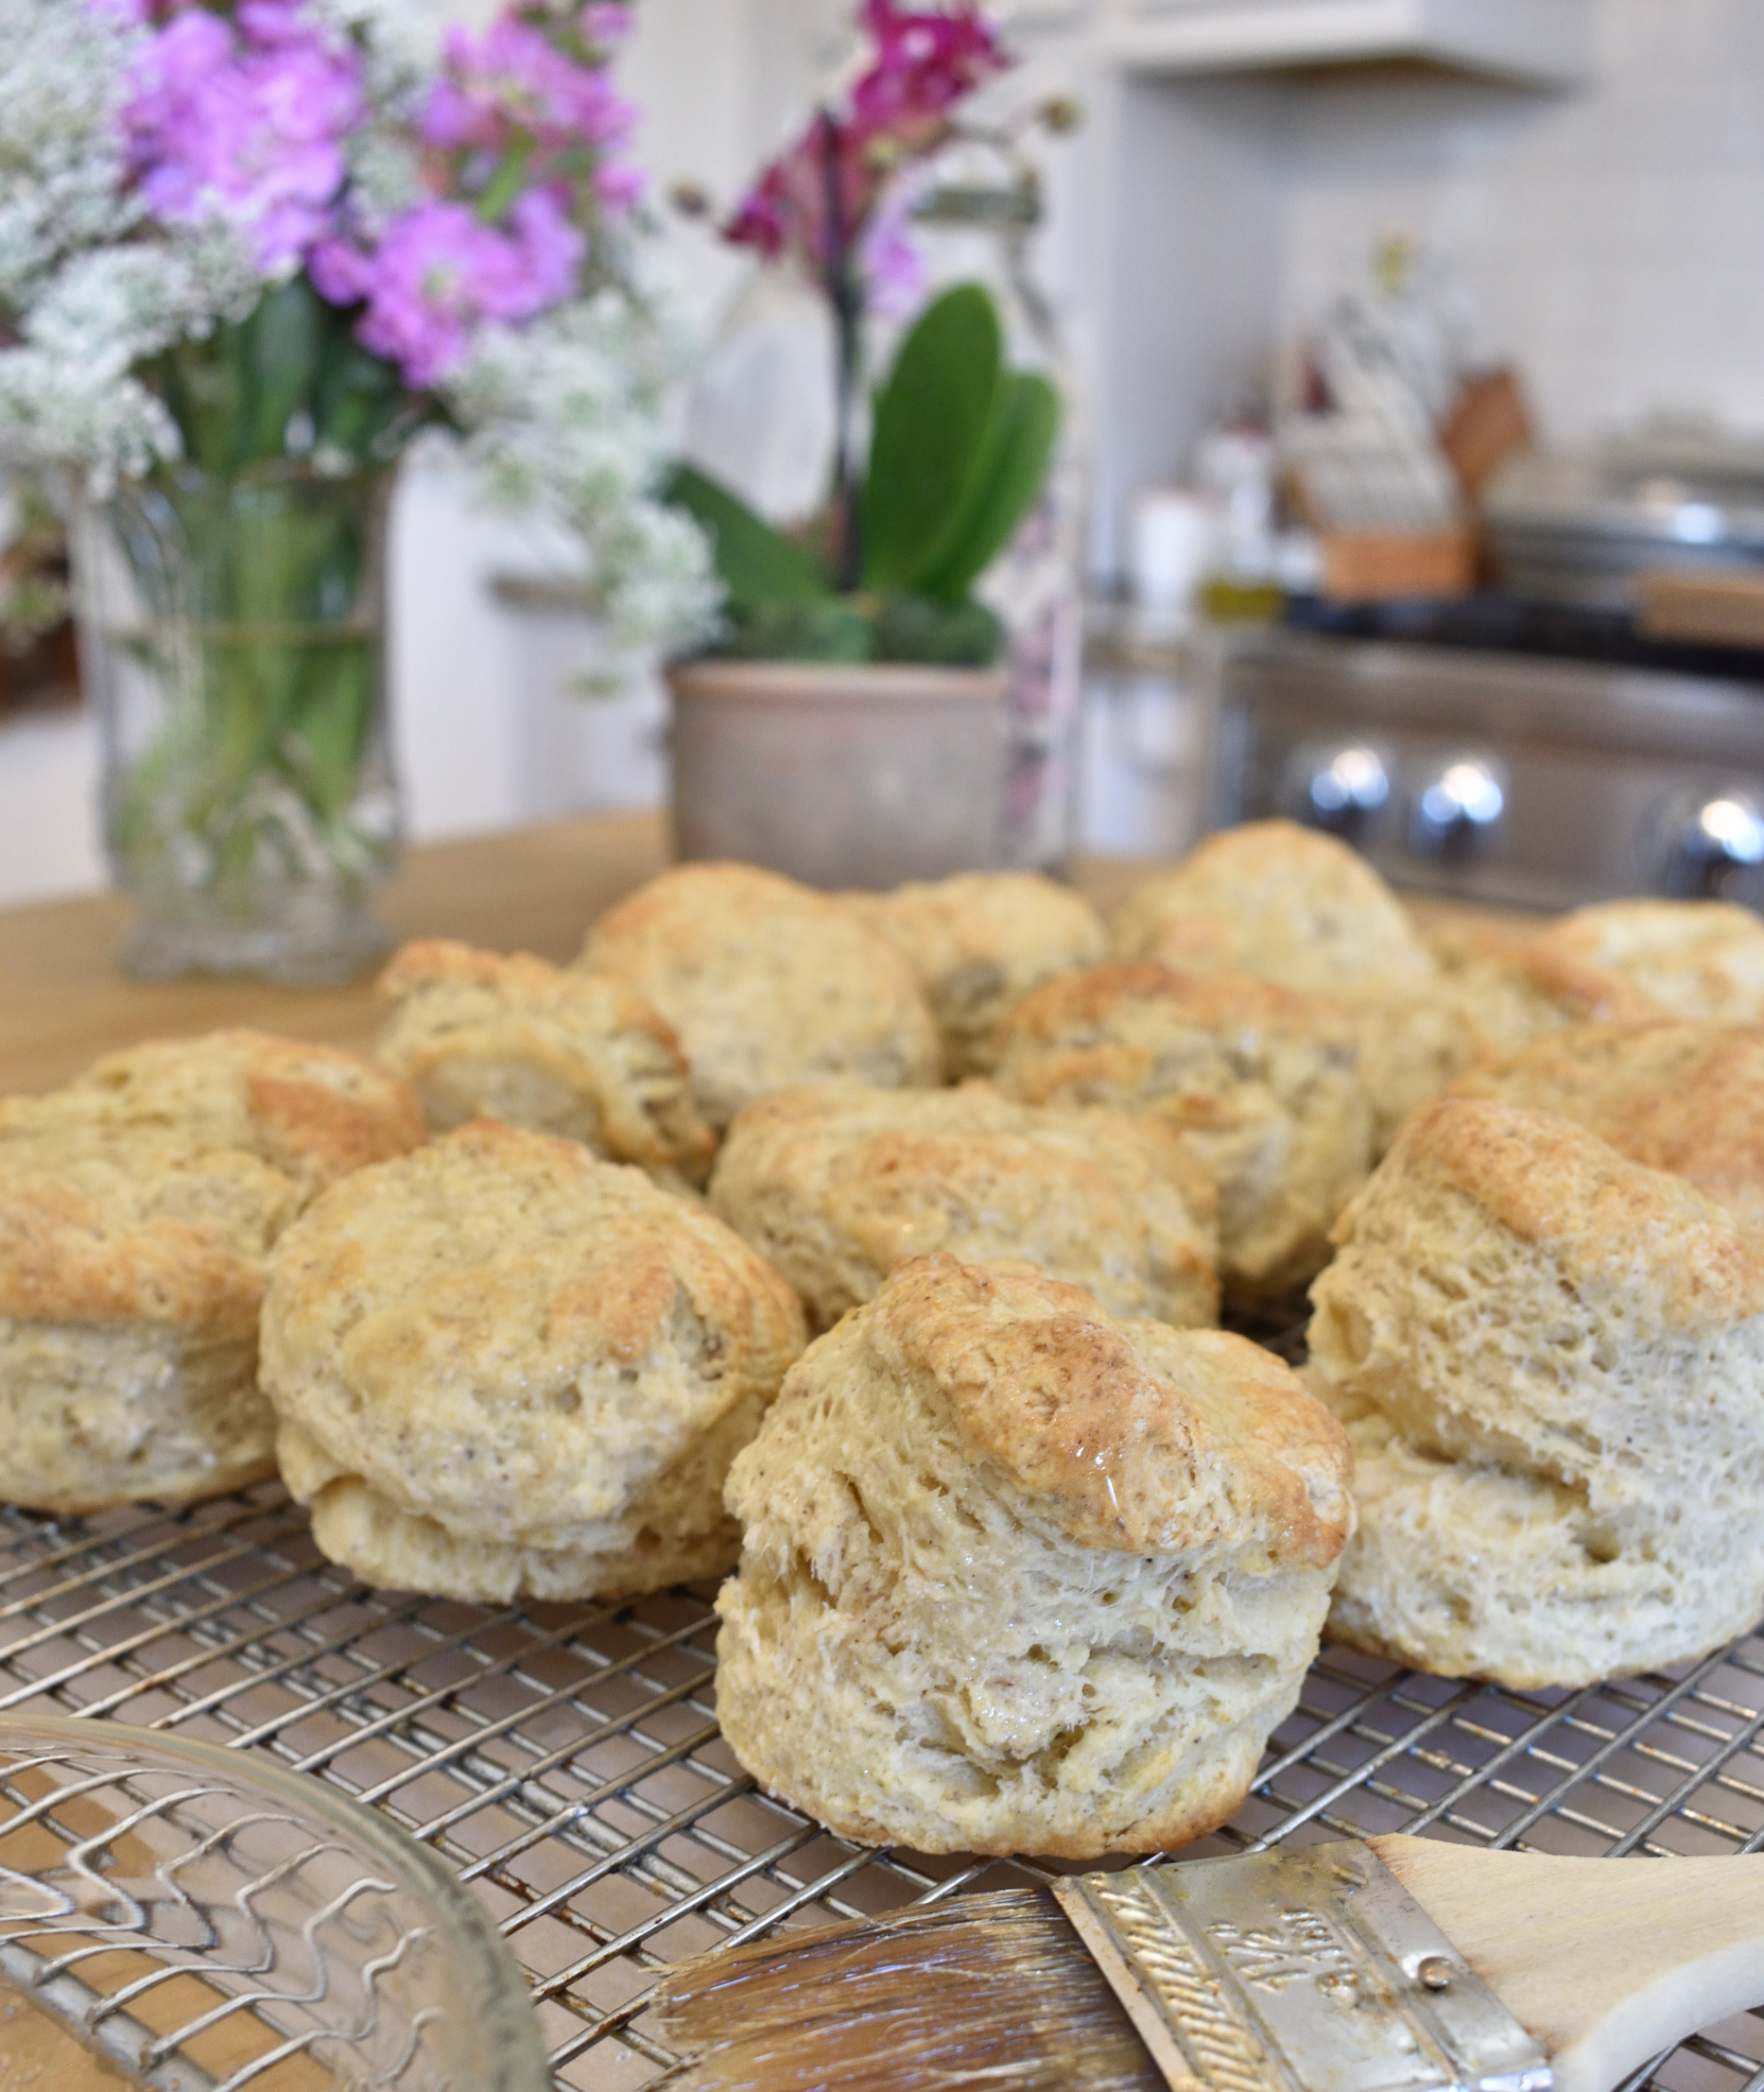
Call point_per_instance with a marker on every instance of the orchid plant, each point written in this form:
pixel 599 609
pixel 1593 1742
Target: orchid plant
pixel 251 229
pixel 958 444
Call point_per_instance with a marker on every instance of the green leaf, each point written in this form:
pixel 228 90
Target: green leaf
pixel 829 629
pixel 1002 488
pixel 280 348
pixel 758 565
pixel 911 628
pixel 930 422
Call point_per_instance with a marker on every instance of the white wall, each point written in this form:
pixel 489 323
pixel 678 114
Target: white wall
pixel 1612 239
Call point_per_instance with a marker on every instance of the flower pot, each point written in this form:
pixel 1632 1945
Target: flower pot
pixel 840 776
pixel 231 634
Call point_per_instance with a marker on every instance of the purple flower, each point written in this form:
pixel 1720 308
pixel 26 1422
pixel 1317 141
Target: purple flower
pixel 619 186
pixel 890 265
pixel 514 78
pixel 438 272
pixel 604 23
pixel 247 129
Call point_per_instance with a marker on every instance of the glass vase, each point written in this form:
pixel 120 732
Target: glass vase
pixel 233 636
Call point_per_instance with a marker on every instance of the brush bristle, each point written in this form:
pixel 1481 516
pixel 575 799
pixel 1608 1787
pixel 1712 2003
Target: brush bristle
pixel 988 1989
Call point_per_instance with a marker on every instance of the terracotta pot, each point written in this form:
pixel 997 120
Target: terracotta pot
pixel 840 776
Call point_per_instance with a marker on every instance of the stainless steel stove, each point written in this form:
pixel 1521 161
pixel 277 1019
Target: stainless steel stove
pixel 1513 754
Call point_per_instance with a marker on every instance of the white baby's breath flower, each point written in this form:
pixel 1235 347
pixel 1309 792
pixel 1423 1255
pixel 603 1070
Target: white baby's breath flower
pixel 60 150
pixel 566 416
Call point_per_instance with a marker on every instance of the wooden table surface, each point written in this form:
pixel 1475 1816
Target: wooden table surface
pixel 62 1002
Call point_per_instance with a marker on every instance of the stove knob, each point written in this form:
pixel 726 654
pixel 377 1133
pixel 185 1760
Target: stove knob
pixel 1342 787
pixel 1713 847
pixel 1458 812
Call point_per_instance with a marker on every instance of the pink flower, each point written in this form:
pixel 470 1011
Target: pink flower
pixel 246 129
pixel 438 272
pixel 818 196
pixel 925 63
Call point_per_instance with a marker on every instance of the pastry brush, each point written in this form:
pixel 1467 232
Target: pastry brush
pixel 1384 1964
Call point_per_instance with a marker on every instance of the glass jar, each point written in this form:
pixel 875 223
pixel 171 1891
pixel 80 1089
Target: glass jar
pixel 976 224
pixel 233 636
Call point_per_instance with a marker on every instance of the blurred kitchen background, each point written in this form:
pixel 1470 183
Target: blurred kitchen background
pixel 1456 233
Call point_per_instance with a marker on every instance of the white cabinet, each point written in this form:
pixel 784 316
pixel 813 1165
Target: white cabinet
pixel 1533 43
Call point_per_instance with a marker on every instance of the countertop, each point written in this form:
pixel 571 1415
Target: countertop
pixel 62 1002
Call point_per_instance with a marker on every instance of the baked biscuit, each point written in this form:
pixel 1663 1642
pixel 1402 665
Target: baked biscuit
pixel 1680 1097
pixel 767 984
pixel 1628 960
pixel 1551 1361
pixel 1417 1039
pixel 1261 1078
pixel 1019 1578
pixel 838 1185
pixel 1279 901
pixel 137 1206
pixel 480 1036
pixel 979 942
pixel 501 1366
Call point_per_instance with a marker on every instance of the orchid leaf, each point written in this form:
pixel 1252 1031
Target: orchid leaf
pixel 1000 490
pixel 758 567
pixel 931 419
pixel 962 635
pixel 831 629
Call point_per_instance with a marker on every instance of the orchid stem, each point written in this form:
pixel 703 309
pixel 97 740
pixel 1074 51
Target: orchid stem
pixel 842 294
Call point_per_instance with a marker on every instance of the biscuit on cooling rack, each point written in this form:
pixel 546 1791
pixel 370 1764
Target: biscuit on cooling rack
pixel 1681 1096
pixel 767 984
pixel 1261 1078
pixel 137 1206
pixel 1622 959
pixel 979 942
pixel 835 1186
pixel 1551 1361
pixel 1281 902
pixel 1018 1577
pixel 1417 1038
pixel 479 1035
pixel 501 1366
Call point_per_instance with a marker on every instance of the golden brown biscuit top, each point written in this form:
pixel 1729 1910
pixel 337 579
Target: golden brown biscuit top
pixel 767 983
pixel 1274 899
pixel 517 980
pixel 154 1185
pixel 1678 1095
pixel 1140 1438
pixel 1629 959
pixel 882 1142
pixel 1073 1009
pixel 1019 922
pixel 314 1110
pixel 501 1321
pixel 1610 1226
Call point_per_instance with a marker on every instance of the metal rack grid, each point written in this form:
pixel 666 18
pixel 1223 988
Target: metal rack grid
pixel 565 1759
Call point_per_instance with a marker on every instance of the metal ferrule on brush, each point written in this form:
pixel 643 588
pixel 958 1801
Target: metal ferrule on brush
pixel 1296 1971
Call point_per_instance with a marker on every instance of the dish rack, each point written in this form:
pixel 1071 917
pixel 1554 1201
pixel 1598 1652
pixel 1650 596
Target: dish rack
pixel 565 1760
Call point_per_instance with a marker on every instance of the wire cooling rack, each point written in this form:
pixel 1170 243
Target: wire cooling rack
pixel 565 1762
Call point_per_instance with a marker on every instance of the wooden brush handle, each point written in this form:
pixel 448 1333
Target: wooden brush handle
pixel 1606 1962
